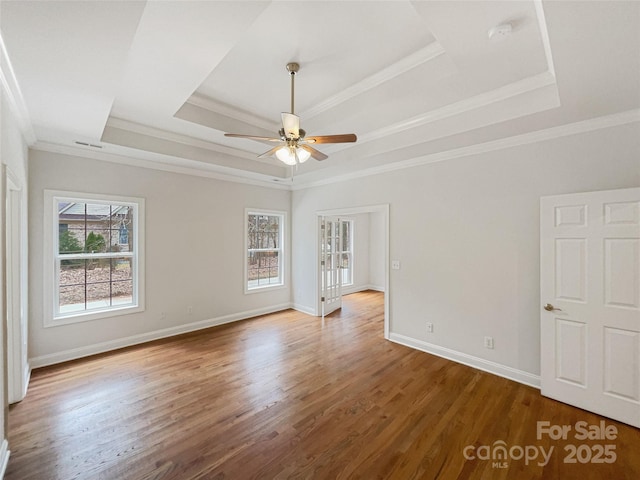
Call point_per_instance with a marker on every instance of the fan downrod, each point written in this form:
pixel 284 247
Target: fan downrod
pixel 293 68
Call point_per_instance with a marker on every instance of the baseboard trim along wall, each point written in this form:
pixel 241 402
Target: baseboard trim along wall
pixel 85 351
pixel 514 374
pixel 4 457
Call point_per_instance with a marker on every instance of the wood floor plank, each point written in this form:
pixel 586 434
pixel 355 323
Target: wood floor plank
pixel 289 396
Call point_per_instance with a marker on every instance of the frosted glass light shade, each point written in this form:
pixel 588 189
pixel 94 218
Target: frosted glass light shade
pixel 288 155
pixel 303 155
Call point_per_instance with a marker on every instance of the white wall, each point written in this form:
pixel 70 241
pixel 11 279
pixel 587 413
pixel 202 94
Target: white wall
pixel 467 234
pixel 368 251
pixel 376 251
pixel 194 253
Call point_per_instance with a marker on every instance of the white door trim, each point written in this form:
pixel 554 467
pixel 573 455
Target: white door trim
pixel 18 371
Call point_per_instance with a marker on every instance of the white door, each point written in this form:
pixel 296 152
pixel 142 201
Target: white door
pixel 330 264
pixel 590 295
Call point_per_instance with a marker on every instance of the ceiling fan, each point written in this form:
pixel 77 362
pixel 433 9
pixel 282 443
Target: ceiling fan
pixel 295 147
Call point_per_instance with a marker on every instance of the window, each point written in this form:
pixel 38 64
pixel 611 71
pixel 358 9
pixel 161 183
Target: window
pixel 347 252
pixel 264 262
pixel 96 262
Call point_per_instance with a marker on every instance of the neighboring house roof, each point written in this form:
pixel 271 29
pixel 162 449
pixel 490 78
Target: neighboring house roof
pixel 90 211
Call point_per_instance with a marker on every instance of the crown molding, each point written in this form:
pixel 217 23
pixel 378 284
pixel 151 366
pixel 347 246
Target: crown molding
pixel 584 126
pixel 208 103
pixel 14 95
pixel 146 130
pixel 171 164
pixel 544 35
pixel 405 64
pixel 507 91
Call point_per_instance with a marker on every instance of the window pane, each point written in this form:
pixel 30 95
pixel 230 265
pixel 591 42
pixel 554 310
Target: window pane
pixel 346 236
pixel 263 268
pixel 96 239
pixel 71 227
pixel 72 298
pixel 98 295
pixel 95 283
pixel 264 241
pixel 122 292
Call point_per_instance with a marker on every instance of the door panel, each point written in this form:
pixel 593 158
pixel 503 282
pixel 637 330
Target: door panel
pixel 330 264
pixel 590 289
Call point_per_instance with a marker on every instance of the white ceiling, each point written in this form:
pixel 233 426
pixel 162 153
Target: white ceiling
pixel 163 80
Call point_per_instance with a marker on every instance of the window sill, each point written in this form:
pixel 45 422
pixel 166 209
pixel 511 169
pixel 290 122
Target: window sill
pixel 90 316
pixel 265 288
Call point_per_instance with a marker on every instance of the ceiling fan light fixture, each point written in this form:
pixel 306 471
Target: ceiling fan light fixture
pixel 296 148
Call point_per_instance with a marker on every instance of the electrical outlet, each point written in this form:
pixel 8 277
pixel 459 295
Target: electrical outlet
pixel 429 327
pixel 189 309
pixel 395 264
pixel 488 342
pixel 163 315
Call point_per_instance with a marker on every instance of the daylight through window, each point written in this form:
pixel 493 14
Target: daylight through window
pixel 95 256
pixel 264 236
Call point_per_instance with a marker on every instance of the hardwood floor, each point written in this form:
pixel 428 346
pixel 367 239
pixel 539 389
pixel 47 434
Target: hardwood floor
pixel 290 396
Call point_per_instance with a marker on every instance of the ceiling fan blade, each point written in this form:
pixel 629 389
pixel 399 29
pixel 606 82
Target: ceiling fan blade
pixel 316 154
pixel 343 138
pixel 270 152
pixel 253 137
pixel 291 125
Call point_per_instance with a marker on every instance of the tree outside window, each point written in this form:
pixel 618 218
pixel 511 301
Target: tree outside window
pixel 264 236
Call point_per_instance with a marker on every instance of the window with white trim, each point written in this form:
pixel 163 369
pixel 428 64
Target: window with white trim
pixel 346 255
pixel 95 256
pixel 264 236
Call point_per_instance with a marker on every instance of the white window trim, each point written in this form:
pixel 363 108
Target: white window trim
pixel 283 246
pixel 50 284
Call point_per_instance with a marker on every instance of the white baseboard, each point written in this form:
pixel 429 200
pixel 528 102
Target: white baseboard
pixel 476 362
pixel 304 309
pixel 85 351
pixel 4 457
pixel 361 288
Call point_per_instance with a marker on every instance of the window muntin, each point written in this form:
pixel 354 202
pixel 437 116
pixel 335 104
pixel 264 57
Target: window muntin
pixel 96 260
pixel 264 252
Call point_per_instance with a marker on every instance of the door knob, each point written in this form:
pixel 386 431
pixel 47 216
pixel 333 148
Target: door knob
pixel 549 308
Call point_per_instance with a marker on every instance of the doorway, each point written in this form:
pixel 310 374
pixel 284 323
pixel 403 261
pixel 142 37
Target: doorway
pixel 377 237
pixel 16 265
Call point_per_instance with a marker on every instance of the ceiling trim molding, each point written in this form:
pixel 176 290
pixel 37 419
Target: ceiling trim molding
pixel 405 64
pixel 585 126
pixel 544 34
pixel 510 90
pixel 215 106
pixel 507 91
pixel 177 138
pixel 14 95
pixel 170 164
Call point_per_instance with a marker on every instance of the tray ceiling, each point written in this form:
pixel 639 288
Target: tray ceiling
pixel 163 81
